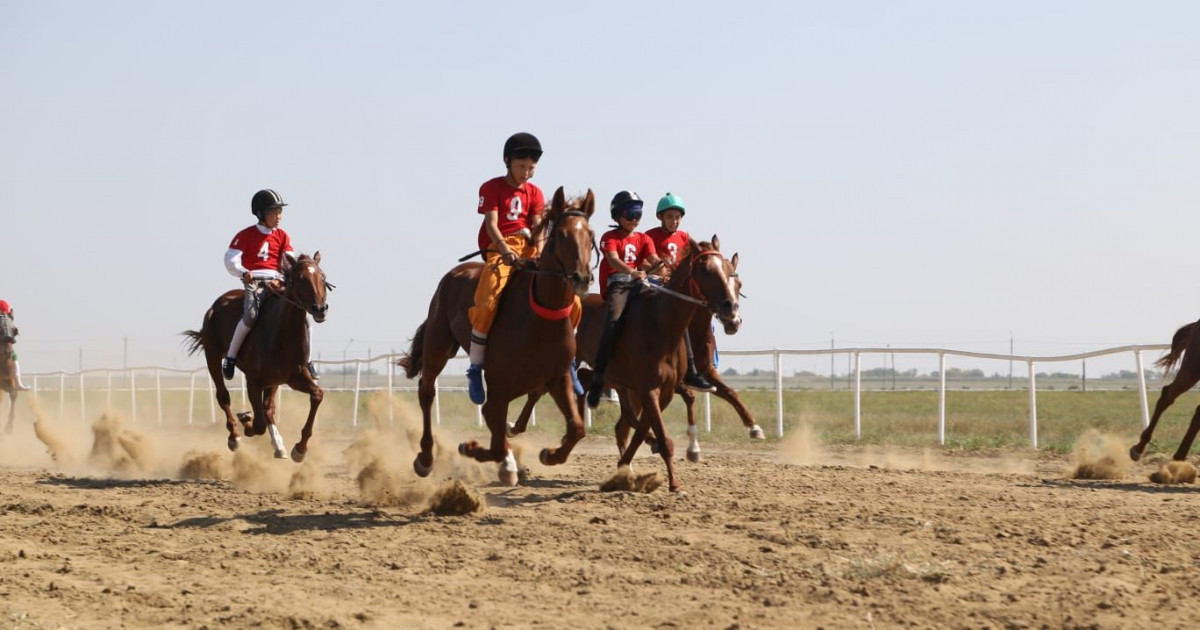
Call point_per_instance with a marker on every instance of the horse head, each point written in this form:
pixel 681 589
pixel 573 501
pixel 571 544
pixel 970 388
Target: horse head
pixel 569 240
pixel 305 284
pixel 713 280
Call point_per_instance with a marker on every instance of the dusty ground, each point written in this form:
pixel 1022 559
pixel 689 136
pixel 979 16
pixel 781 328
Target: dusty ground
pixel 791 535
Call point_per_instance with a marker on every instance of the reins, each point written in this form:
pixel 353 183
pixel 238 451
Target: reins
pixel 693 287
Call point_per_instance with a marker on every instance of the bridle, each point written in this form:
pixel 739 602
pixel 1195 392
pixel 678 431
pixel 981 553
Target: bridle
pixel 694 294
pixel 289 288
pixel 562 272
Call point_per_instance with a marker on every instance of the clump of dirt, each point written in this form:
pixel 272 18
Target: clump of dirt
pixel 119 450
pixel 197 465
pixel 455 499
pixel 1098 456
pixel 625 480
pixel 1175 472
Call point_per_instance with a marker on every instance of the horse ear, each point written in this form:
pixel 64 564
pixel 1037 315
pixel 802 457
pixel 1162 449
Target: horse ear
pixel 317 257
pixel 560 201
pixel 589 203
pixel 716 243
pixel 733 261
pixel 285 263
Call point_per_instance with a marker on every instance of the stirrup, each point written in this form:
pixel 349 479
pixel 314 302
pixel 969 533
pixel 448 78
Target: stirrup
pixel 227 366
pixel 694 380
pixel 475 384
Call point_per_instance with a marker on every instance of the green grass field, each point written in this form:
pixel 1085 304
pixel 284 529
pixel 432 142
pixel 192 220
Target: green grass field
pixel 974 419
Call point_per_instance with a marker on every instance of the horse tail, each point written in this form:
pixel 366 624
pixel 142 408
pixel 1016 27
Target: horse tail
pixel 1178 342
pixel 411 360
pixel 194 341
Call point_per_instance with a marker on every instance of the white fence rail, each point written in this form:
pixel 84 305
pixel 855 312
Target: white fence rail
pixel 131 380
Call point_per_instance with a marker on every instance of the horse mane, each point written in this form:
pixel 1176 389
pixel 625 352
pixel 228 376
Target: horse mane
pixel 540 232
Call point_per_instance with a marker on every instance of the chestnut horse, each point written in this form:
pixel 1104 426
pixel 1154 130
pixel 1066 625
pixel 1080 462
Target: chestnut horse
pixel 275 351
pixel 1185 344
pixel 703 345
pixel 648 359
pixel 531 344
pixel 8 382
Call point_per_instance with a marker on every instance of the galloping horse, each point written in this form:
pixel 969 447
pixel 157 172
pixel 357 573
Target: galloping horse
pixel 648 359
pixel 1185 343
pixel 275 351
pixel 531 344
pixel 8 382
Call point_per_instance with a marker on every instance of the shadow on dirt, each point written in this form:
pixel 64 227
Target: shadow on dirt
pixel 1124 486
pixel 101 483
pixel 276 522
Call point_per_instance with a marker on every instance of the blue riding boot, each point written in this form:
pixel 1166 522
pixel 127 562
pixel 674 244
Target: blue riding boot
pixel 575 380
pixel 475 384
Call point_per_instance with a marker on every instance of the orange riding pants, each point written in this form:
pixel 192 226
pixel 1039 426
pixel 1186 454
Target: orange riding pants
pixel 494 278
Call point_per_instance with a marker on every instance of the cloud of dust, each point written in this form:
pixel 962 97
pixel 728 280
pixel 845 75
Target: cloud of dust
pixel 204 465
pixel 62 452
pixel 454 499
pixel 307 482
pixel 1175 472
pixel 801 447
pixel 380 461
pixel 256 470
pixel 1099 456
pixel 119 450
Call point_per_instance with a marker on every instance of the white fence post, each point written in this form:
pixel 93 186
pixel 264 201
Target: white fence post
pixel 357 386
pixel 942 398
pixel 245 396
pixel 778 393
pixel 708 412
pixel 158 394
pixel 191 395
pixel 82 402
pixel 133 396
pixel 532 415
pixel 1142 389
pixel 857 396
pixel 479 415
pixel 1032 406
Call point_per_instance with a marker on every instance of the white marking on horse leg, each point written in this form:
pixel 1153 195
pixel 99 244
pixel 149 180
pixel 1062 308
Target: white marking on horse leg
pixel 509 475
pixel 693 449
pixel 277 442
pixel 756 433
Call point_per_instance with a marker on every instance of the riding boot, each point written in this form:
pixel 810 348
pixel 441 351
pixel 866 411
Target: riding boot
pixel 239 335
pixel 17 376
pixel 575 384
pixel 475 372
pixel 312 370
pixel 607 339
pixel 694 379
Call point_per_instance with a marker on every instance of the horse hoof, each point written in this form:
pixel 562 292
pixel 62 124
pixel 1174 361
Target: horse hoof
pixel 297 455
pixel 510 474
pixel 524 474
pixel 654 448
pixel 233 443
pixel 544 457
pixel 1135 453
pixel 693 456
pixel 462 448
pixel 680 493
pixel 421 470
pixel 510 429
pixel 756 433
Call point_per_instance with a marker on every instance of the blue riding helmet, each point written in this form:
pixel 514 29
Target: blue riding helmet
pixel 626 205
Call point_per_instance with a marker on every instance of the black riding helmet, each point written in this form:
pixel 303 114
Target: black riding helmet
pixel 522 145
pixel 626 204
pixel 264 200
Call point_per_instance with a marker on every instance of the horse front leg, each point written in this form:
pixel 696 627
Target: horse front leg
pixel 726 393
pixel 564 395
pixel 652 418
pixel 223 400
pixel 689 402
pixel 495 415
pixel 268 405
pixel 256 424
pixel 303 383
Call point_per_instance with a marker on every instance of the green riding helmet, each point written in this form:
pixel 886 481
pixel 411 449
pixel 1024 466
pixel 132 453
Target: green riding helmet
pixel 669 202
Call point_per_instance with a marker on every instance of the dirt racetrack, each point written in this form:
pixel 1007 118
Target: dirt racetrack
pixel 771 536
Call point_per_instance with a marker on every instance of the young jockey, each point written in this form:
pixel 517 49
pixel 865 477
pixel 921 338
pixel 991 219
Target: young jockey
pixel 8 334
pixel 512 207
pixel 626 253
pixel 254 256
pixel 669 241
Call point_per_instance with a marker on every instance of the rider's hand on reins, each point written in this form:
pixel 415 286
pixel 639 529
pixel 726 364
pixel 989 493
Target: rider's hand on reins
pixel 509 258
pixel 247 278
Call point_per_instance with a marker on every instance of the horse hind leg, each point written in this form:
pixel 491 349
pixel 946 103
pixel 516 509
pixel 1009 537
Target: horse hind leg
pixel 268 407
pixel 223 401
pixel 499 451
pixel 1184 381
pixel 522 423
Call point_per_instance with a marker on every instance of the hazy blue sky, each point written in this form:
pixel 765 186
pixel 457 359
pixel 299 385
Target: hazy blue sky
pixel 913 173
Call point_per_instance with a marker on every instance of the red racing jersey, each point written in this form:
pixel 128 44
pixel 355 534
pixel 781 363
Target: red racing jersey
pixel 668 245
pixel 631 247
pixel 514 207
pixel 261 252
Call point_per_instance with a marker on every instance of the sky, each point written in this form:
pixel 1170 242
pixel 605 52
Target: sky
pixel 919 174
